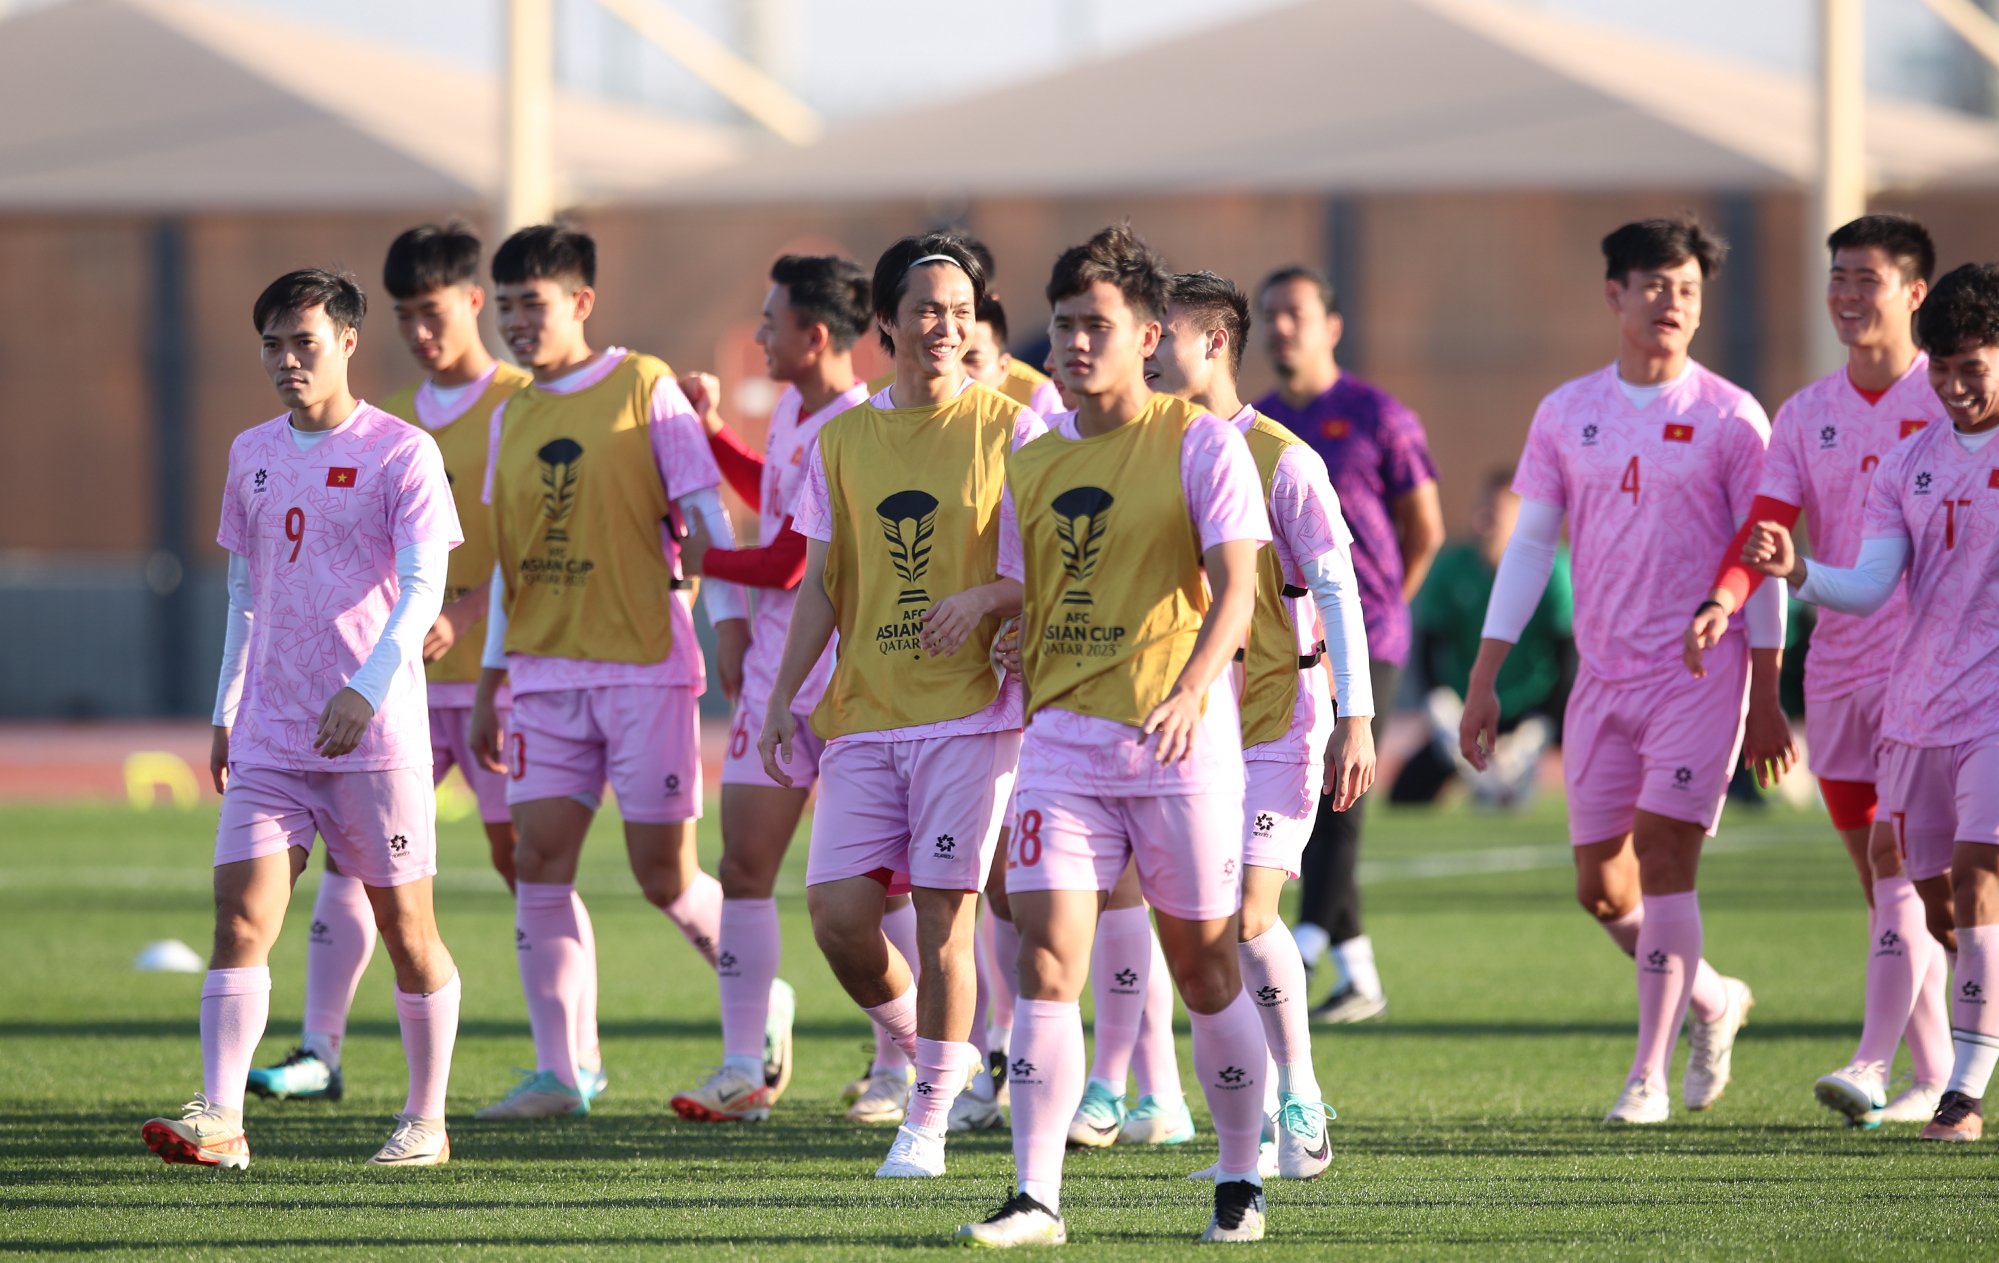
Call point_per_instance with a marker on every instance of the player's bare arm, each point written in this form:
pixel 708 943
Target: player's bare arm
pixel 452 621
pixel 704 392
pixel 1771 550
pixel 950 622
pixel 1231 569
pixel 1768 746
pixel 218 759
pixel 812 626
pixel 1478 729
pixel 484 734
pixel 1349 760
pixel 1704 632
pixel 1419 531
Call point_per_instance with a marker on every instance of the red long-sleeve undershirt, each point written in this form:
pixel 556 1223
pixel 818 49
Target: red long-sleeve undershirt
pixel 778 564
pixel 742 466
pixel 1736 578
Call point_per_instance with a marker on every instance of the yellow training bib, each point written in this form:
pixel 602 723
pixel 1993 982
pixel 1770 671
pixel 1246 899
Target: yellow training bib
pixel 463 444
pixel 915 494
pixel 577 511
pixel 1115 594
pixel 1270 660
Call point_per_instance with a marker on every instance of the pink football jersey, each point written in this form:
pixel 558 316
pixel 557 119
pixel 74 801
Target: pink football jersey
pixel 791 438
pixel 1824 446
pixel 1945 669
pixel 320 530
pixel 1653 496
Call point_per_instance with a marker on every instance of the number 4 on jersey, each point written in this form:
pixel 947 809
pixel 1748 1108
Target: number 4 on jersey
pixel 1630 482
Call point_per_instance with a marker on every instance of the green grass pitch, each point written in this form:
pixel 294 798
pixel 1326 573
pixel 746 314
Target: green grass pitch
pixel 1468 1120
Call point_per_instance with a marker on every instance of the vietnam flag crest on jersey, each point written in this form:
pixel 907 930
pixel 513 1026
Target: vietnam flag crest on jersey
pixel 1678 432
pixel 341 476
pixel 1912 425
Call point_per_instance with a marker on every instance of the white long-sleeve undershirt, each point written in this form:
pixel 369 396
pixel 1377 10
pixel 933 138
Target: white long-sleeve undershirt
pixel 1862 588
pixel 1524 569
pixel 1336 592
pixel 1529 560
pixel 420 571
pixel 722 600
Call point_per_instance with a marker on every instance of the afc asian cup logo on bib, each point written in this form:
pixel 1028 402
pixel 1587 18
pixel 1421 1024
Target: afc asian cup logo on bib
pixel 559 458
pixel 908 520
pixel 1081 515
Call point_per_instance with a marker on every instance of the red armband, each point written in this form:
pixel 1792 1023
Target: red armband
pixel 778 564
pixel 740 464
pixel 1736 578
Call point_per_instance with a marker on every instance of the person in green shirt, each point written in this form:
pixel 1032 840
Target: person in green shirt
pixel 1449 614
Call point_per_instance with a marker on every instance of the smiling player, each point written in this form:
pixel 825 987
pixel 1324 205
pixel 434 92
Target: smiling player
pixel 1654 460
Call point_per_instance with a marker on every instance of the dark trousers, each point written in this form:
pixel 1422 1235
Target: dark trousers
pixel 1328 895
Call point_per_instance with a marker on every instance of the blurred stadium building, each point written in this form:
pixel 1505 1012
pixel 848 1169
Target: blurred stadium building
pixel 1451 161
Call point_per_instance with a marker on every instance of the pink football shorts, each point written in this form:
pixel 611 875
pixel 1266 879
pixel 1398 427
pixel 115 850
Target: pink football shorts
pixel 1666 745
pixel 1279 806
pixel 1937 796
pixel 450 746
pixel 1188 847
pixel 742 763
pixel 929 808
pixel 1843 734
pixel 643 738
pixel 380 827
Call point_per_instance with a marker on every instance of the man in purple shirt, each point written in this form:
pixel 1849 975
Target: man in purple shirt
pixel 1387 484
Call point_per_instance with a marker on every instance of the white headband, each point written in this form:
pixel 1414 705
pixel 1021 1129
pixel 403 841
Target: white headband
pixel 937 258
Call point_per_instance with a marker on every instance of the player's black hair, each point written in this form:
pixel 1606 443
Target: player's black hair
pixel 993 312
pixel 892 274
pixel 546 252
pixel 1328 295
pixel 1499 478
pixel 301 291
pixel 1651 244
pixel 1215 303
pixel 428 257
pixel 1962 312
pixel 826 289
pixel 1898 236
pixel 982 252
pixel 1119 257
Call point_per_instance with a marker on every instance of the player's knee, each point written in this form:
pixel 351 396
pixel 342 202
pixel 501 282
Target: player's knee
pixel 1256 920
pixel 1209 981
pixel 744 875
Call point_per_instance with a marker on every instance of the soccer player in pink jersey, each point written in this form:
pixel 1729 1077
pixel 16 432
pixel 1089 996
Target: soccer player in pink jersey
pixel 1824 446
pixel 593 630
pixel 339 523
pixel 432 272
pixel 817 308
pixel 1133 526
pixel 1933 512
pixel 1654 460
pixel 1298 745
pixel 900 510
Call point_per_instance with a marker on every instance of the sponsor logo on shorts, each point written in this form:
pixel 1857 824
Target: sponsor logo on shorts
pixel 1126 980
pixel 398 844
pixel 321 932
pixel 1682 777
pixel 1971 993
pixel 947 846
pixel 1589 435
pixel 1232 1079
pixel 1023 1071
pixel 1889 941
pixel 1265 822
pixel 726 963
pixel 1228 869
pixel 1828 438
pixel 1269 997
pixel 1655 962
pixel 672 785
pixel 521 943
